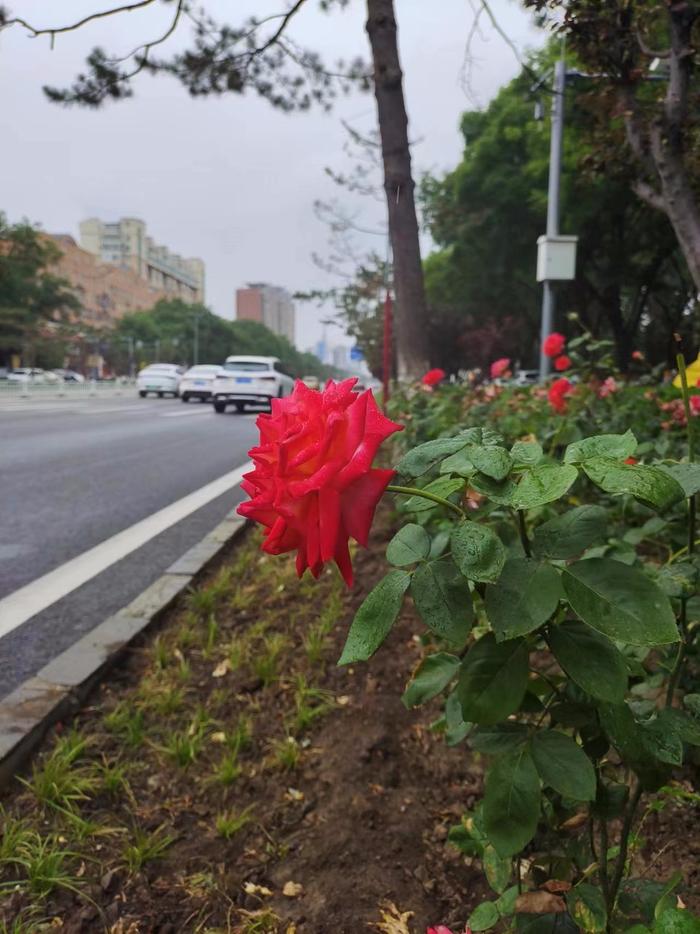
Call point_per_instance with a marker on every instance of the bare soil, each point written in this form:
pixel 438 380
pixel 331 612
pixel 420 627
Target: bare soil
pixel 349 797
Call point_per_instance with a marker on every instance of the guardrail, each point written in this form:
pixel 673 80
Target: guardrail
pixel 9 389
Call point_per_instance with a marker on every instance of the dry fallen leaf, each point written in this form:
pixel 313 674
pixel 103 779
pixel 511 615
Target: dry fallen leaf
pixel 218 737
pixel 573 823
pixel 556 886
pixel 292 889
pixel 393 921
pixel 343 700
pixel 250 888
pixel 222 668
pixel 179 656
pixel 539 903
pixel 293 794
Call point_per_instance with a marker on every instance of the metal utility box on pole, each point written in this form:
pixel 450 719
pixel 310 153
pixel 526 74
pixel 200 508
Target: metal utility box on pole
pixel 556 254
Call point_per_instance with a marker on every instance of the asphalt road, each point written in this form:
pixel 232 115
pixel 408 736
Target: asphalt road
pixel 73 474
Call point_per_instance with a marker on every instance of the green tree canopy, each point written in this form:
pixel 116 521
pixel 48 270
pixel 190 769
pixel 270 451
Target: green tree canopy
pixel 168 332
pixel 486 215
pixel 34 303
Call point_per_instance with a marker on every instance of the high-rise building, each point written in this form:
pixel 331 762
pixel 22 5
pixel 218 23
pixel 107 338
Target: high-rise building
pixel 126 244
pixel 271 305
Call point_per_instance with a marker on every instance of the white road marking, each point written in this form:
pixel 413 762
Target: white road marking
pixel 201 410
pixel 36 596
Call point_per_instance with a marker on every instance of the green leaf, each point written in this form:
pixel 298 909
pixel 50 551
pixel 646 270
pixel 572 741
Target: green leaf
pixel 484 916
pixel 459 463
pixel 410 545
pixel 617 447
pixel 443 486
pixel 512 802
pixel 563 765
pixel 443 600
pixel 460 838
pixel 692 702
pixel 493 679
pixel 375 617
pixel 506 903
pixel 543 484
pixel 587 907
pixel 481 436
pixel 526 453
pixel 497 870
pixel 501 492
pixel 590 660
pixel 433 676
pixel 571 533
pixel 526 595
pixel 661 742
pixel 420 459
pixel 676 921
pixel 623 731
pixel 687 728
pixel 620 601
pixel 498 739
pixel 477 551
pixel 650 485
pixel 493 461
pixel 457 728
pixel 688 475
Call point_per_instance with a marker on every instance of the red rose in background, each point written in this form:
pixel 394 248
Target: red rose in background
pixel 433 377
pixel 562 363
pixel 313 486
pixel 637 355
pixel 499 367
pixel 695 405
pixel 559 389
pixel 553 344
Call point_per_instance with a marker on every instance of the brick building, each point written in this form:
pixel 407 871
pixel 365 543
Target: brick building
pixel 106 292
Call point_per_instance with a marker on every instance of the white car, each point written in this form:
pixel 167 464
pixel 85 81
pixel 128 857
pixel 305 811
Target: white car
pixel 27 374
pixel 250 381
pixel 198 382
pixel 160 378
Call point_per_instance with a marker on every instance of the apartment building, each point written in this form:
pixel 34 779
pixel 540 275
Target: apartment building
pixel 106 292
pixel 271 305
pixel 125 243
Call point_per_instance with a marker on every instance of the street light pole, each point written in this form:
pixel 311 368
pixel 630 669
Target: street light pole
pixel 196 338
pixel 553 191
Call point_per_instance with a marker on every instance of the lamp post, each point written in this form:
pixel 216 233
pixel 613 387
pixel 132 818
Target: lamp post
pixel 556 254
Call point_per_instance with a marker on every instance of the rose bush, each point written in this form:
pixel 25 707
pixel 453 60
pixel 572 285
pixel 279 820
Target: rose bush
pixel 559 586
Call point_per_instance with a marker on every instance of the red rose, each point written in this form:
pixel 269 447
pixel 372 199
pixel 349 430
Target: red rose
pixel 499 367
pixel 313 486
pixel 637 355
pixel 553 344
pixel 557 392
pixel 631 461
pixel 695 405
pixel 562 363
pixel 433 377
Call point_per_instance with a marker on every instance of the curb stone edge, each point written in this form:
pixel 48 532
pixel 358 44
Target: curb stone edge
pixel 61 687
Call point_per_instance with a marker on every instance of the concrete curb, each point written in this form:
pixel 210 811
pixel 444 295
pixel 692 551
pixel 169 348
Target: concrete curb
pixel 62 686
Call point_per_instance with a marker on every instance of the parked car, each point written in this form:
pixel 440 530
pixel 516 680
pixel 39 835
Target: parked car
pixel 27 374
pixel 249 381
pixel 4 372
pixel 69 376
pixel 312 382
pixel 160 378
pixel 198 382
pixel 526 377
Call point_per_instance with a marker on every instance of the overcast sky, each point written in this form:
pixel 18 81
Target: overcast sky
pixel 229 179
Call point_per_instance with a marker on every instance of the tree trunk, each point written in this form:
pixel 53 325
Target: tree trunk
pixel 411 315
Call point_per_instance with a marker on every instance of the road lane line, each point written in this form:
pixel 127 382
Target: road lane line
pixel 41 593
pixel 202 410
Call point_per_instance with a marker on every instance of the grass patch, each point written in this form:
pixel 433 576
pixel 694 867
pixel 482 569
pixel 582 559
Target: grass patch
pixel 146 847
pixel 230 823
